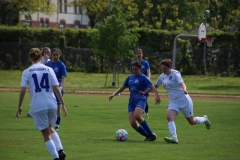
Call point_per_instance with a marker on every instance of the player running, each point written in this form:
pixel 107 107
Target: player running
pixel 173 83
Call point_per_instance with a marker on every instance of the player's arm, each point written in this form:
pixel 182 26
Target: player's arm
pixel 184 87
pixel 119 90
pixel 20 101
pixel 149 74
pixel 57 91
pixel 63 81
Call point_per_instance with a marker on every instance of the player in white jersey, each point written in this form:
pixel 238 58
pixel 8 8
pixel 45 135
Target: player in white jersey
pixel 173 83
pixel 46 52
pixel 42 83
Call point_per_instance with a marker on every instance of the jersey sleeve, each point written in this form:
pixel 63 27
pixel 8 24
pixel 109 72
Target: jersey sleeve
pixel 53 78
pixel 64 70
pixel 147 66
pixel 159 81
pixel 179 77
pixel 24 81
pixel 126 82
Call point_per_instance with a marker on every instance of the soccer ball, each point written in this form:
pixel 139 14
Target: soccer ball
pixel 121 135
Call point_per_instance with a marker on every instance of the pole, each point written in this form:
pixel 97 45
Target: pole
pixel 175 46
pixel 204 48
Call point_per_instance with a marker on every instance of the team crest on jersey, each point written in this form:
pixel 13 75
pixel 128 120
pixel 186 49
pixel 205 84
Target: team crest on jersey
pixel 136 81
pixel 170 77
pixel 56 69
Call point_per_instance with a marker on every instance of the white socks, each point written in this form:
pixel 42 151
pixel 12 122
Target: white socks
pixel 172 129
pixel 51 148
pixel 200 120
pixel 57 141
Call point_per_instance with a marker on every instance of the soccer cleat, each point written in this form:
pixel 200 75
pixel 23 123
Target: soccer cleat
pixel 153 137
pixel 56 158
pixel 171 140
pixel 29 115
pixel 207 122
pixel 61 154
pixel 57 127
pixel 147 117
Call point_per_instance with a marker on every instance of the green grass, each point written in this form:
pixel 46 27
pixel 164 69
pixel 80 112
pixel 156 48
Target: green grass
pixel 77 81
pixel 88 133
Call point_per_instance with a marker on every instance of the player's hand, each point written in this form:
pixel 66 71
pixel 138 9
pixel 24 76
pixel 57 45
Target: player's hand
pixel 111 97
pixel 141 92
pixel 19 111
pixel 157 101
pixel 64 110
pixel 185 91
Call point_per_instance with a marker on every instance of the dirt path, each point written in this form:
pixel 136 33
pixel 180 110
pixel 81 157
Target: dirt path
pixel 163 95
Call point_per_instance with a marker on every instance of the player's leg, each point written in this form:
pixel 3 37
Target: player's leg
pixel 58 117
pixel 57 125
pixel 188 113
pixel 171 113
pixel 137 115
pixel 146 109
pixel 54 135
pixel 41 122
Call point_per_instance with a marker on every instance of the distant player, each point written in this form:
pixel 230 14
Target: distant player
pixel 60 70
pixel 42 83
pixel 145 70
pixel 173 83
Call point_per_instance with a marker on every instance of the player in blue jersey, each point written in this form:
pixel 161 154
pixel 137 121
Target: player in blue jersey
pixel 60 70
pixel 145 70
pixel 42 84
pixel 139 86
pixel 173 83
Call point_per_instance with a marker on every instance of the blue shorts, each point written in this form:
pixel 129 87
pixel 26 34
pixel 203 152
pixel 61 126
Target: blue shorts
pixel 58 101
pixel 133 105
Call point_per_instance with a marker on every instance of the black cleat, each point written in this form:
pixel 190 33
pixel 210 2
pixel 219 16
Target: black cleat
pixel 152 137
pixel 61 154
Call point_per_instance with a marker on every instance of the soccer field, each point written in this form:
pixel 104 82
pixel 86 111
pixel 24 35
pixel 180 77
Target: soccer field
pixel 88 133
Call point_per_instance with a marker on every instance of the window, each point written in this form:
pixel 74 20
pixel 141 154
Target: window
pixel 28 21
pixel 47 23
pixel 65 6
pixel 79 10
pixel 60 6
pixel 75 9
pixel 77 24
pixel 62 25
pixel 41 23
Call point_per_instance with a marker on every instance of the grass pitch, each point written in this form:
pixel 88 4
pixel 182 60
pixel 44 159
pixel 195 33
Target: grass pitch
pixel 88 133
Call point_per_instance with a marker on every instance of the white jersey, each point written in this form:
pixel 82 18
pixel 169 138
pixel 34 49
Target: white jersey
pixel 171 83
pixel 41 80
pixel 43 60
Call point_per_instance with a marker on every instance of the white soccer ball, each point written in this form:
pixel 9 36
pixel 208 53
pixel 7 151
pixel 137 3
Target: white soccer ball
pixel 121 135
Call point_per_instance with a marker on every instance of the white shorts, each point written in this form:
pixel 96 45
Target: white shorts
pixel 44 118
pixel 185 105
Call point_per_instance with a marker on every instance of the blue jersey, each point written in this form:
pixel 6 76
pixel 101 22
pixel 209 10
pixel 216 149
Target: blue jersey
pixel 59 68
pixel 136 84
pixel 145 67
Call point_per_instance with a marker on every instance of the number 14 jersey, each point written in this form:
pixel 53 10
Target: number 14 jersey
pixel 41 80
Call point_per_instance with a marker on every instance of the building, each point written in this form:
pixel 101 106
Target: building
pixel 65 17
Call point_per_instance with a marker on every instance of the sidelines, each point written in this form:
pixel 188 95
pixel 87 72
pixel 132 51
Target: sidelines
pixel 162 95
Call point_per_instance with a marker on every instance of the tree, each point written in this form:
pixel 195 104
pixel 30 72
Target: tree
pixel 96 9
pixel 11 9
pixel 114 39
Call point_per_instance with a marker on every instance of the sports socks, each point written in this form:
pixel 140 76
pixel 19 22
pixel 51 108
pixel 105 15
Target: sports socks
pixel 57 141
pixel 146 127
pixel 51 148
pixel 172 129
pixel 200 120
pixel 58 120
pixel 142 131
